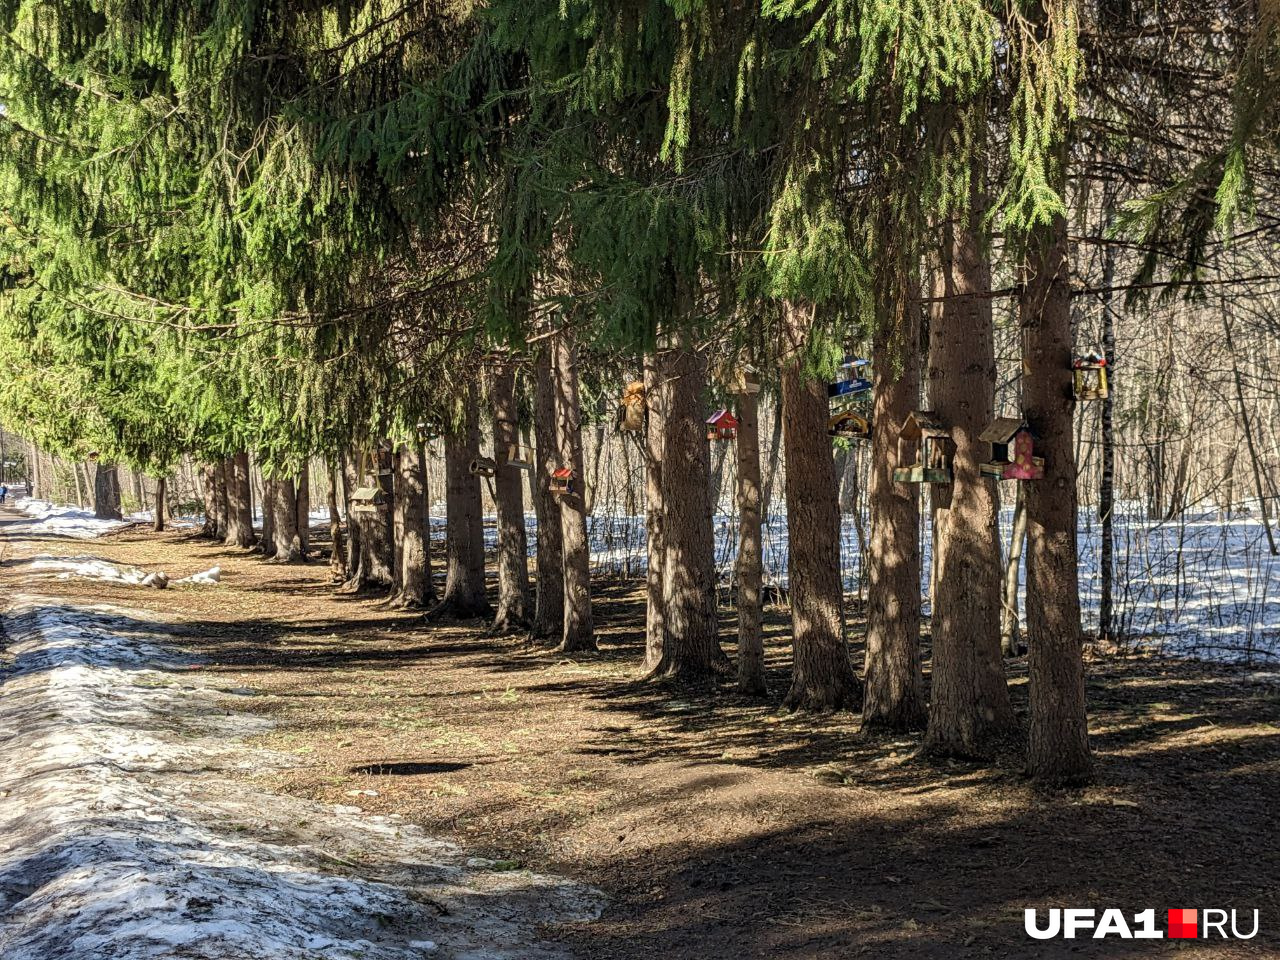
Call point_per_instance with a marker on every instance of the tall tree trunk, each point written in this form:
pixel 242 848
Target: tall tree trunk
pixel 656 391
pixel 969 706
pixel 1106 490
pixel 464 593
pixel 691 645
pixel 774 463
pixel 1009 632
pixel 377 536
pixel 894 684
pixel 350 483
pixel 413 564
pixel 284 508
pixel 579 628
pixel 750 549
pixel 267 543
pixel 209 491
pixel 221 504
pixel 106 492
pixel 1058 744
pixel 508 487
pixel 302 506
pixel 548 616
pixel 337 544
pixel 37 490
pixel 75 470
pixel 157 519
pixel 239 502
pixel 822 677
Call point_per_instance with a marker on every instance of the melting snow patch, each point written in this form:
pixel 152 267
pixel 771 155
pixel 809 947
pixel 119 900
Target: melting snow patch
pixel 121 834
pixel 210 576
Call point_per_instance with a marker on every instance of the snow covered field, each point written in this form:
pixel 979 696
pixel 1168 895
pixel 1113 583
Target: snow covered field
pixel 121 835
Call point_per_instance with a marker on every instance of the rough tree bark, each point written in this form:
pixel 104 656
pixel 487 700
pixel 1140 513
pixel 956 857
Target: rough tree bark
pixel 654 441
pixel 464 593
pixel 508 487
pixel 337 545
pixel 377 538
pixel 822 677
pixel 209 493
pixel 239 502
pixel 548 615
pixel 106 492
pixel 157 520
pixel 413 587
pixel 350 483
pixel 302 504
pixel 1058 741
pixel 969 706
pixel 894 684
pixel 267 542
pixel 1010 635
pixel 691 646
pixel 750 549
pixel 579 628
pixel 284 508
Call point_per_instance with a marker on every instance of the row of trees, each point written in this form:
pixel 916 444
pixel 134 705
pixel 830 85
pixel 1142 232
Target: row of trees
pixel 342 228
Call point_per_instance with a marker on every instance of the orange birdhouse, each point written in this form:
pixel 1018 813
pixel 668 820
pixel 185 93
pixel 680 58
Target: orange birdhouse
pixel 1012 451
pixel 631 409
pixel 722 425
pixel 564 481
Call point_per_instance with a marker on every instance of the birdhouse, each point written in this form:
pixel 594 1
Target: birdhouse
pixel 722 425
pixel 1090 377
pixel 564 481
pixel 93 457
pixel 853 379
pixel 483 467
pixel 519 456
pixel 925 450
pixel 1012 451
pixel 849 425
pixel 368 500
pixel 631 409
pixel 744 379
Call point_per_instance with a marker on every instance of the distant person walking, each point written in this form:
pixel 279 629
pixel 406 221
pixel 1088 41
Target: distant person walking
pixel 4 492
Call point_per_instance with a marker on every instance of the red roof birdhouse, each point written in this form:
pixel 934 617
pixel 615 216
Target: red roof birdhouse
pixel 564 481
pixel 722 425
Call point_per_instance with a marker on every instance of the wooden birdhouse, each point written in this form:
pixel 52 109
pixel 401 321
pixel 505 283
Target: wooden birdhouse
pixel 520 457
pixel 1090 377
pixel 853 379
pixel 631 409
pixel 483 467
pixel 368 500
pixel 744 378
pixel 564 481
pixel 925 450
pixel 722 425
pixel 849 425
pixel 1012 451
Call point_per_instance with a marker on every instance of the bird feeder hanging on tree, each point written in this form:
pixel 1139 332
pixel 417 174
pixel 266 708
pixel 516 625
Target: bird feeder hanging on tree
pixel 482 467
pixel 1091 377
pixel 852 379
pixel 519 456
pixel 925 450
pixel 564 481
pixel 849 426
pixel 631 409
pixel 368 500
pixel 1012 451
pixel 722 425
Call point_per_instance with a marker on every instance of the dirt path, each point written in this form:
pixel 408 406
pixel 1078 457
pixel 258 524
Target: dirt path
pixel 132 827
pixel 718 827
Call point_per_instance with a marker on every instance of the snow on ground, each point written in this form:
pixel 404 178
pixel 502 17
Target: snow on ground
pixel 122 836
pixel 48 518
pixel 95 568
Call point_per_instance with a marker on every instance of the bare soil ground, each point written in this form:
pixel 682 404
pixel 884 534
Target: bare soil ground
pixel 718 826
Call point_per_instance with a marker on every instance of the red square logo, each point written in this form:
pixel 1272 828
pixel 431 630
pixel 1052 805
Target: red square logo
pixel 1182 924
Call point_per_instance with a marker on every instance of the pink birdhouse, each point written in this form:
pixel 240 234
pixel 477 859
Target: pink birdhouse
pixel 1012 451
